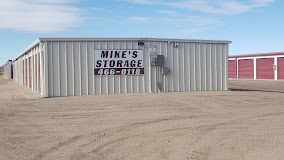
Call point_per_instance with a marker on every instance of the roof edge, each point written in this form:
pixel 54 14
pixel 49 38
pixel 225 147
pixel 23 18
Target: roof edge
pixel 37 41
pixel 257 54
pixel 28 48
pixel 129 39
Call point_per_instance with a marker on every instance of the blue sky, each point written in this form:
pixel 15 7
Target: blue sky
pixel 254 26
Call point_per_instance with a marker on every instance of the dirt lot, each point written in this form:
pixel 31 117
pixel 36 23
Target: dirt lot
pixel 257 85
pixel 193 125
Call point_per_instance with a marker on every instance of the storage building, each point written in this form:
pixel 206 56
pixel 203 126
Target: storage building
pixel 257 66
pixel 88 66
pixel 8 70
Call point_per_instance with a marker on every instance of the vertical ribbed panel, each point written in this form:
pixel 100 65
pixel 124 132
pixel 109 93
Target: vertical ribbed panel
pixel 90 66
pixel 26 69
pixel 62 68
pixel 66 68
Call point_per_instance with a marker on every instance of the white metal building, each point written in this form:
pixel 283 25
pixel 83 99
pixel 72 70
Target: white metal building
pixel 8 71
pixel 88 66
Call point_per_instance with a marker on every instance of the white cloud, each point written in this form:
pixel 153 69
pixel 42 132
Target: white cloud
pixel 198 20
pixel 138 18
pixel 97 9
pixel 261 3
pixel 191 31
pixel 169 12
pixel 41 16
pixel 143 1
pixel 209 6
pixel 183 20
pixel 218 7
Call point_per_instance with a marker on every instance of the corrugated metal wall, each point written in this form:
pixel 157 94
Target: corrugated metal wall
pixel 69 68
pixel 27 69
pixel 8 73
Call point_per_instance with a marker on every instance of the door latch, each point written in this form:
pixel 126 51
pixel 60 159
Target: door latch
pixel 275 67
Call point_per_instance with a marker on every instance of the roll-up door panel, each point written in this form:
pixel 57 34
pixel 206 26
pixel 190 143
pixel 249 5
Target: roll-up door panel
pixel 232 69
pixel 264 68
pixel 246 70
pixel 280 65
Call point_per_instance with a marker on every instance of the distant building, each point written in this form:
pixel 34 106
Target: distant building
pixel 257 66
pixel 7 70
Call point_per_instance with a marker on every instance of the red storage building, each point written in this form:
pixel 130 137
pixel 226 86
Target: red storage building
pixel 257 66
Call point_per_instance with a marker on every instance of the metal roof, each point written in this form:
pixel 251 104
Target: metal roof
pixel 27 49
pixel 257 54
pixel 36 42
pixel 129 39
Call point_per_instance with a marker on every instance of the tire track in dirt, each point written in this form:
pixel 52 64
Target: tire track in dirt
pixel 56 147
pixel 202 132
pixel 97 136
pixel 101 134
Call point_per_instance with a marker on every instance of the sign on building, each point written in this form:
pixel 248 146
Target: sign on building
pixel 119 62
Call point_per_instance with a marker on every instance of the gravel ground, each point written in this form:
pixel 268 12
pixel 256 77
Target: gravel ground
pixel 191 125
pixel 257 85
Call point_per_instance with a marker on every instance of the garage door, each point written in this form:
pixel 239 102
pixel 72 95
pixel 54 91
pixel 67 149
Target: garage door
pixel 246 70
pixel 30 72
pixel 264 68
pixel 232 69
pixel 280 64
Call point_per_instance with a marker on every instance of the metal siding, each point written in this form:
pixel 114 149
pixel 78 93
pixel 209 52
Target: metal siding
pixel 203 58
pixel 225 67
pixel 104 79
pixel 214 67
pixel 123 81
pixel 208 68
pixel 30 72
pixel 84 69
pixel 171 66
pixel 181 67
pixel 68 68
pixel 36 72
pixel 152 72
pixel 90 58
pixel 26 73
pixel 26 69
pixel 219 67
pixel 264 68
pixel 33 71
pixel 135 79
pixel 98 79
pixel 39 72
pixel 224 70
pixel 141 80
pixel 129 79
pixel 62 69
pixel 280 67
pixel 110 81
pixel 186 67
pixel 192 66
pixel 246 69
pixel 117 87
pixel 56 70
pixel 8 71
pixel 77 68
pixel 197 67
